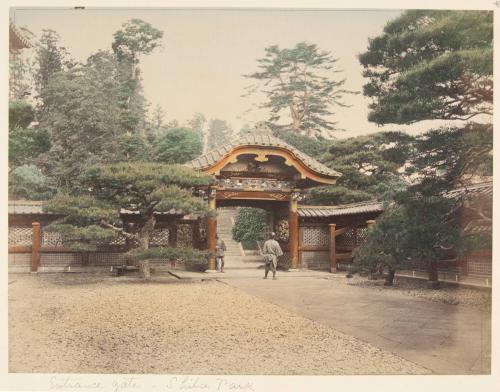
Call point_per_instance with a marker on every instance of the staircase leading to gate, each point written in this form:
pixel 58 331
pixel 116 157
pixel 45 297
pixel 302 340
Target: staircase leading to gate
pixel 235 256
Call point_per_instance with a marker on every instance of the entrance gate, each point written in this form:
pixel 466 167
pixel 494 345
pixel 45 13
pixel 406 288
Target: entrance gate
pixel 260 170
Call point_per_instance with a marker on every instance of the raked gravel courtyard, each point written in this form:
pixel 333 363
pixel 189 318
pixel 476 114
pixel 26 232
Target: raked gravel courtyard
pixel 85 323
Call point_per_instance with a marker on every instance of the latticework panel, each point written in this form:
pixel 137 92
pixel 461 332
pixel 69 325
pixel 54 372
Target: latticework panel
pixel 184 235
pixel 20 236
pixel 315 236
pixel 60 259
pixel 118 241
pixel 353 237
pixel 51 238
pixel 20 259
pixel 348 238
pixel 285 260
pixel 479 268
pixel 107 259
pixel 159 237
pixel 362 235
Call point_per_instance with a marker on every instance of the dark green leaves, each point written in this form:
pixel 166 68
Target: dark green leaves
pixel 165 252
pixel 431 65
pixel 178 145
pixel 249 225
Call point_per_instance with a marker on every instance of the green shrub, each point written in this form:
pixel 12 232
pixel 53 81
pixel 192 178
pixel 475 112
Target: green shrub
pixel 187 255
pixel 249 225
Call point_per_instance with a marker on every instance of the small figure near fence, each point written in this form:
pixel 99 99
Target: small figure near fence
pixel 220 248
pixel 271 251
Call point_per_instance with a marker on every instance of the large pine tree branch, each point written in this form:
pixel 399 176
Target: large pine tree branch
pixel 118 229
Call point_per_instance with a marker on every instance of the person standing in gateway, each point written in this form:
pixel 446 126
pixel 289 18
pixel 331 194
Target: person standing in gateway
pixel 271 251
pixel 220 248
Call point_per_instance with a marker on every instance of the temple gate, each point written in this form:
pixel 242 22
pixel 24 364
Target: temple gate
pixel 260 170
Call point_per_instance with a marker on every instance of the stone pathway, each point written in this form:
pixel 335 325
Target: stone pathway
pixel 447 339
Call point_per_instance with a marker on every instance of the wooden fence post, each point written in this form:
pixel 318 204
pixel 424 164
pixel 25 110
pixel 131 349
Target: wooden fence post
pixel 36 243
pixel 370 224
pixel 333 244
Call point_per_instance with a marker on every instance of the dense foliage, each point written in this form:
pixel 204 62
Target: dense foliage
pixel 219 133
pixel 178 145
pixel 314 147
pixel 91 211
pixel 249 225
pixel 431 65
pixel 25 143
pixel 371 168
pixel 28 182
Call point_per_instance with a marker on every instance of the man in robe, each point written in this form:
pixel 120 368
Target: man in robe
pixel 221 249
pixel 271 251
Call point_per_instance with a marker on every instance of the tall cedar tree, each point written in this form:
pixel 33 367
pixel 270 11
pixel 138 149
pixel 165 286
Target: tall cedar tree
pixel 50 59
pixel 83 120
pixel 136 38
pixel 300 85
pixel 91 212
pixel 219 132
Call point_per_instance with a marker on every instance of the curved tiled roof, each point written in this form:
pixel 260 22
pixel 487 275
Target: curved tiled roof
pixel 18 37
pixel 339 210
pixel 479 189
pixel 260 137
pixel 26 207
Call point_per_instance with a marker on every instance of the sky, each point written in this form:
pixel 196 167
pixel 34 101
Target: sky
pixel 205 54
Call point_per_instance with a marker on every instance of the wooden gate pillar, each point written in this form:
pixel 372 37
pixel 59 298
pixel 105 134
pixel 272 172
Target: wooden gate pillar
pixel 293 224
pixel 36 243
pixel 212 231
pixel 332 248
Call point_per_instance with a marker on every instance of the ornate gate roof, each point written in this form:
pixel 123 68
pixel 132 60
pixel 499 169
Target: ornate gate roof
pixel 262 143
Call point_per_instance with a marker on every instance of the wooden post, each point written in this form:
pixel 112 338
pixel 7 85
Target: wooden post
pixel 36 243
pixel 212 233
pixel 333 251
pixel 370 224
pixel 293 224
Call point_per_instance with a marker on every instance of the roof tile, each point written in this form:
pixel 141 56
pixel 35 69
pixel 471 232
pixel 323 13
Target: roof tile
pixel 259 137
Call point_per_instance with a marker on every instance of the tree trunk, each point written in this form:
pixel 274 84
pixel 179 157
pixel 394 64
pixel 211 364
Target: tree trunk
pixel 389 279
pixel 295 118
pixel 145 269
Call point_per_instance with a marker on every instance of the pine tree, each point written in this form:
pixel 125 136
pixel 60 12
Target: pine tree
pixel 91 211
pixel 300 87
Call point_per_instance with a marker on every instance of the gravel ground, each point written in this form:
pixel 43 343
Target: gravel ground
pixel 448 294
pixel 81 323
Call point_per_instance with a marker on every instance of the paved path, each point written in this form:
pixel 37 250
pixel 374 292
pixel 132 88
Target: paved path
pixel 447 339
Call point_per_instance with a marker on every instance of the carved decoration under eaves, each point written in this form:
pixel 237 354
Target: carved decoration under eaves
pixel 254 184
